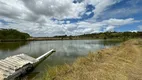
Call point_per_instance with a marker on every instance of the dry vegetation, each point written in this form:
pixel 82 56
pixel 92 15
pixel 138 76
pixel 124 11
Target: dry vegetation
pixel 123 62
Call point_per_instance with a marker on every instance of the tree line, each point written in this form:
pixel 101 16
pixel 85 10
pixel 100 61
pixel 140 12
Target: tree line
pixel 105 35
pixel 9 34
pixel 108 35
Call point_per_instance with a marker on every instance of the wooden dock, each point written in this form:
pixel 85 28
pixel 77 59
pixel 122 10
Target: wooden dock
pixel 15 66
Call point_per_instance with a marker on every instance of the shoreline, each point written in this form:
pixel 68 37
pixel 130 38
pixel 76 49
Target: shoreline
pixel 117 63
pixel 54 39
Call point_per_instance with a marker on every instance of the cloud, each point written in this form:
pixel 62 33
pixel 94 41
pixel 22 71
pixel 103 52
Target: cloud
pixel 52 29
pixel 125 13
pixel 119 22
pixel 8 10
pixel 123 9
pixel 59 9
pixel 101 6
pixel 55 8
pixel 106 25
pixel 1 24
pixel 140 27
pixel 35 16
pixel 110 28
pixel 115 23
pixel 13 9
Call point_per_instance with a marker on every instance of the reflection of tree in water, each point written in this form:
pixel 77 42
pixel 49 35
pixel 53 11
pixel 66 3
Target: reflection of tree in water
pixel 105 42
pixel 4 46
pixel 111 42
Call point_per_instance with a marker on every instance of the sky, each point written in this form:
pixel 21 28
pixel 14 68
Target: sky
pixel 70 17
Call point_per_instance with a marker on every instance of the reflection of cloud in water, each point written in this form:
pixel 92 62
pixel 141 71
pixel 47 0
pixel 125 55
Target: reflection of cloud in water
pixel 63 48
pixel 66 48
pixel 66 51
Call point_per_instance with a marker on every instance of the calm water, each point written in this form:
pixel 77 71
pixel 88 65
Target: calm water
pixel 66 50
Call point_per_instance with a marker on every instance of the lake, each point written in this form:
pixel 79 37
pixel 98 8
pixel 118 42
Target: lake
pixel 66 51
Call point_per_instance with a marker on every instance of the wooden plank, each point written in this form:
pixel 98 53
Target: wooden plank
pixel 4 73
pixel 25 57
pixel 9 65
pixel 17 61
pixel 6 69
pixel 12 62
pixel 13 66
pixel 6 65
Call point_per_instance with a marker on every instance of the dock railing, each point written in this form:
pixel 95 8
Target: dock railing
pixel 44 56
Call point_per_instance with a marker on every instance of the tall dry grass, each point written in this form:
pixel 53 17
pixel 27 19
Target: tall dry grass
pixel 123 62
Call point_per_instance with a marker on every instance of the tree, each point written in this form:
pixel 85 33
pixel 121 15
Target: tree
pixel 12 34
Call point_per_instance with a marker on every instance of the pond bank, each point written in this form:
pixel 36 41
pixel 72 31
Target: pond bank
pixel 117 63
pixel 54 39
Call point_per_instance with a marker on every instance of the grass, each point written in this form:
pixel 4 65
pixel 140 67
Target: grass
pixel 122 62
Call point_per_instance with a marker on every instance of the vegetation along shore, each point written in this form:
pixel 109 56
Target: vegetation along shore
pixel 12 35
pixel 121 62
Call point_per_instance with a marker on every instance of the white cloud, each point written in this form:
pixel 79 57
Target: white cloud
pixel 110 28
pixel 12 9
pixel 119 22
pixel 140 27
pixel 1 25
pixel 101 6
pixel 115 23
pixel 88 13
pixel 123 10
pixel 59 9
pixel 68 22
pixel 55 8
pixel 34 16
pixel 51 28
pixel 33 9
pixel 133 30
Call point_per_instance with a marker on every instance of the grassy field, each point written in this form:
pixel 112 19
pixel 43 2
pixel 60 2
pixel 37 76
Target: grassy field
pixel 122 62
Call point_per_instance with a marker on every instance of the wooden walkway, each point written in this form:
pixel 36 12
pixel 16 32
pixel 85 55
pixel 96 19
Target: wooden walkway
pixel 14 66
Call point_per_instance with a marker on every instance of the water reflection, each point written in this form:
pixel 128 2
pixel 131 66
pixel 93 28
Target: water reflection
pixel 7 48
pixel 11 45
pixel 66 50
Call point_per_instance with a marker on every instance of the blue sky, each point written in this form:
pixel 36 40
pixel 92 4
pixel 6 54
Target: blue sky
pixel 71 17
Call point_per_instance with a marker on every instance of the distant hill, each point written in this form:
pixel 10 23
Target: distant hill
pixel 9 34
